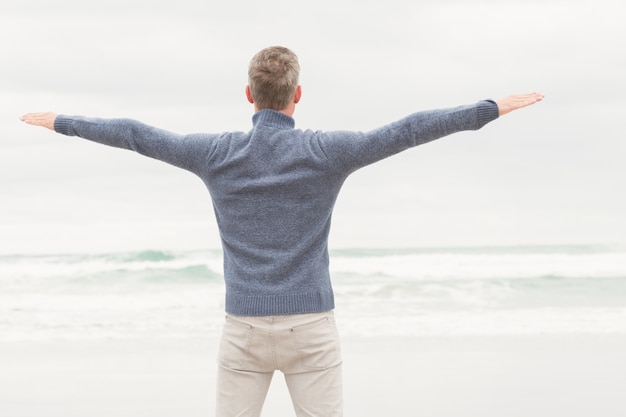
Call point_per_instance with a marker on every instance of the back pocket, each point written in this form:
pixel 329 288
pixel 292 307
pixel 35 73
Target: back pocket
pixel 235 344
pixel 317 343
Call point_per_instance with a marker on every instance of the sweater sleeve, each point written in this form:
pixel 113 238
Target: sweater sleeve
pixel 184 151
pixel 350 151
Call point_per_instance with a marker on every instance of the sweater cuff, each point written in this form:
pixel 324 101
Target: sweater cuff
pixel 62 124
pixel 487 112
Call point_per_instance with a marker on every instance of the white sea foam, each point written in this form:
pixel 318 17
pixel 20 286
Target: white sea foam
pixel 442 266
pixel 404 292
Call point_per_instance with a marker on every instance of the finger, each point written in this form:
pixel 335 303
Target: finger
pixel 28 118
pixel 40 119
pixel 517 101
pixel 32 117
pixel 528 99
pixel 535 97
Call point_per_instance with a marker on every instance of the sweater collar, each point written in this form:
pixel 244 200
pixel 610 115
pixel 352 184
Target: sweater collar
pixel 273 118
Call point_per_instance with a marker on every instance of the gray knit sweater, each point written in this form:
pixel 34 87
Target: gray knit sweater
pixel 273 190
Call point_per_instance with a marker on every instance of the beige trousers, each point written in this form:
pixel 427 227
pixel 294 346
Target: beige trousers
pixel 304 347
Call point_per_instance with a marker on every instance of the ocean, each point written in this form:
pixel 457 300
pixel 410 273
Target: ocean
pixel 403 292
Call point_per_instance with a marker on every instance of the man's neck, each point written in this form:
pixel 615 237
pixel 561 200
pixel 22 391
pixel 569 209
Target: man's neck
pixel 289 110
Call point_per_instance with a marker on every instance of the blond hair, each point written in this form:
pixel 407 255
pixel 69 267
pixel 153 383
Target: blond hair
pixel 273 77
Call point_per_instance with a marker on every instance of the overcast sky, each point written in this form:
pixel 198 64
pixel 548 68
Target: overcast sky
pixel 554 173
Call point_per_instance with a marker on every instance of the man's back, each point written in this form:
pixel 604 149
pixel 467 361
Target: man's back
pixel 273 191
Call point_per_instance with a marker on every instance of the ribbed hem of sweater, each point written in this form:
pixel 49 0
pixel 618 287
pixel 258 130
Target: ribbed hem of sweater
pixel 62 125
pixel 487 112
pixel 279 304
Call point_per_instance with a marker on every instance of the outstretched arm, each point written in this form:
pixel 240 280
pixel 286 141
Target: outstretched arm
pixel 416 129
pixel 189 152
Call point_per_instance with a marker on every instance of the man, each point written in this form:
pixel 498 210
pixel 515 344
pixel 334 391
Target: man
pixel 273 190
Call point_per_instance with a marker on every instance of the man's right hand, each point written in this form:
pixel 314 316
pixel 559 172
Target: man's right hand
pixel 517 101
pixel 40 119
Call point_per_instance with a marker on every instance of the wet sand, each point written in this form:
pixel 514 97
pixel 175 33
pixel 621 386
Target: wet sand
pixel 538 375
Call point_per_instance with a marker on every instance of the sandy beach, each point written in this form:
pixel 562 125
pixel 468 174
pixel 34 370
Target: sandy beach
pixel 514 376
